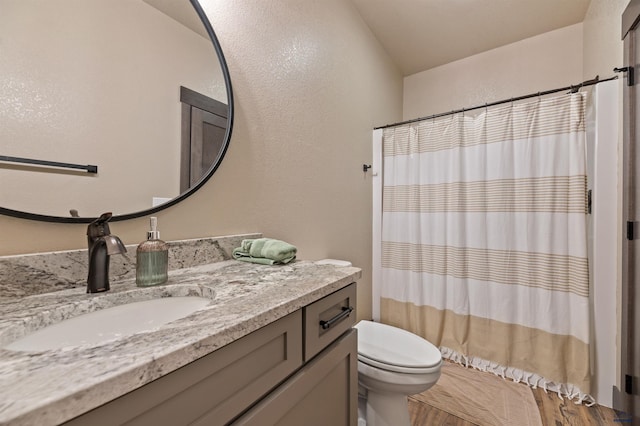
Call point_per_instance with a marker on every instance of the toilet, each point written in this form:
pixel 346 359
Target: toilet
pixel 392 364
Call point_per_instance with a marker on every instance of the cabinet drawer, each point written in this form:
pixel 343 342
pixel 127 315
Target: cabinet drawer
pixel 326 319
pixel 215 388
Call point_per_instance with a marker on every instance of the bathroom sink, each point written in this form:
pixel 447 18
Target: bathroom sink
pixel 110 323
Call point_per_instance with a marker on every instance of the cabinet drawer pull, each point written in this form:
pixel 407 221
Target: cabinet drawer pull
pixel 346 311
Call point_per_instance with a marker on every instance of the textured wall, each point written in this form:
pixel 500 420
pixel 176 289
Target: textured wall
pixel 310 82
pixel 602 37
pixel 539 63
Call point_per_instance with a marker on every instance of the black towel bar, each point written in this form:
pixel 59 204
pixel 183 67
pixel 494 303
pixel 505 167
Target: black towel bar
pixel 89 168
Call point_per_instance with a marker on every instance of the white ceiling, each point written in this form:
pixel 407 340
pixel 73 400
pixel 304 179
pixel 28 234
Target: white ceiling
pixel 422 34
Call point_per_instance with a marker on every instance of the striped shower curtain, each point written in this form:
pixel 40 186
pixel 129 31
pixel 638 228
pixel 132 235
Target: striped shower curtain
pixel 484 245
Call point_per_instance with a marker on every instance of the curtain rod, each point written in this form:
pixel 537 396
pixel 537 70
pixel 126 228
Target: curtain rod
pixel 572 88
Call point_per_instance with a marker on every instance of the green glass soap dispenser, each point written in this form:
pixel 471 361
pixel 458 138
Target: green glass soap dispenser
pixel 152 258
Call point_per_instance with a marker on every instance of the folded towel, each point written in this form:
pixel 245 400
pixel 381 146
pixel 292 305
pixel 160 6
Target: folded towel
pixel 266 251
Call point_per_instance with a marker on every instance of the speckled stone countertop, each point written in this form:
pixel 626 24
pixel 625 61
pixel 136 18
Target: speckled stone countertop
pixel 50 387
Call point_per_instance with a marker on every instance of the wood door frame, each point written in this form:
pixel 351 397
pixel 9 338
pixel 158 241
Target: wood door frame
pixel 191 99
pixel 627 398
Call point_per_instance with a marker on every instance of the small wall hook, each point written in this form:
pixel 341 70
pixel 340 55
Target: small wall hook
pixel 366 167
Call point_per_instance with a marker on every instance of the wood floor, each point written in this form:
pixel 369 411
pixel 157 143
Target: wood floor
pixel 553 411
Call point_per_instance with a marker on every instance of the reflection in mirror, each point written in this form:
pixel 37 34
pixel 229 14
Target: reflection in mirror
pixel 103 82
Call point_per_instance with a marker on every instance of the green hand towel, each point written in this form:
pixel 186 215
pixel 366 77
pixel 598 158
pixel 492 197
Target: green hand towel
pixel 265 251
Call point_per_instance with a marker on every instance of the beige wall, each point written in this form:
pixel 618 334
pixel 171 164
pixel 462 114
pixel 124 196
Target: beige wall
pixel 544 62
pixel 74 90
pixel 310 82
pixel 602 37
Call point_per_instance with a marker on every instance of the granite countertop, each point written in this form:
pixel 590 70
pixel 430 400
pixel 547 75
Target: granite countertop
pixel 50 387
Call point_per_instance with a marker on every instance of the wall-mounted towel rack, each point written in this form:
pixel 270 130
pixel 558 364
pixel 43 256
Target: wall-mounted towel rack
pixel 89 168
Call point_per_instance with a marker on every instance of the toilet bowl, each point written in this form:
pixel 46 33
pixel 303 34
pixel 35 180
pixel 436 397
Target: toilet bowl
pixel 393 364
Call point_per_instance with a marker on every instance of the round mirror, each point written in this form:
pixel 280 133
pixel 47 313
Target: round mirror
pixel 108 105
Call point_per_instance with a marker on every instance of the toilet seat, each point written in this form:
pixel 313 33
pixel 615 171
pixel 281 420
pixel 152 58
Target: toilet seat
pixel 399 369
pixel 394 349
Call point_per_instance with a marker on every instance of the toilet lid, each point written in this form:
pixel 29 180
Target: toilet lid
pixel 384 345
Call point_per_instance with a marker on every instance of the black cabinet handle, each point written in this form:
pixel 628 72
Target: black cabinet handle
pixel 346 311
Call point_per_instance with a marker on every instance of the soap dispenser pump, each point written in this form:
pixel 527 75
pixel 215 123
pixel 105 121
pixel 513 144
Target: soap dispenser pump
pixel 152 258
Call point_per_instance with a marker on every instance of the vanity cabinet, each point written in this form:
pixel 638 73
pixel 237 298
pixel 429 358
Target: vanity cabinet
pixel 323 392
pixel 300 369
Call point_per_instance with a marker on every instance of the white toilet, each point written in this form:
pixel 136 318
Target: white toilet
pixel 393 364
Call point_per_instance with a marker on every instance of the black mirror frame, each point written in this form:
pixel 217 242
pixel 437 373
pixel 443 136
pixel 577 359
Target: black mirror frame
pixel 227 138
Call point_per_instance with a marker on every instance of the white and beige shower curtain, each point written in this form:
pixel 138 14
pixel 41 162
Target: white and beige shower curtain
pixel 484 245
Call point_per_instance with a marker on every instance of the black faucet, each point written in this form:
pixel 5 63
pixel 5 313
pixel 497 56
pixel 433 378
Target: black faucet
pixel 101 245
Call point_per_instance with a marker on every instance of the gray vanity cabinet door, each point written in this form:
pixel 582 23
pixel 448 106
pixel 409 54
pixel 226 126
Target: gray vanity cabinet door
pixel 324 392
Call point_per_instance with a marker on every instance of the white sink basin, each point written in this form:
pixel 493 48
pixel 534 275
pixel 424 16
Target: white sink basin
pixel 110 323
